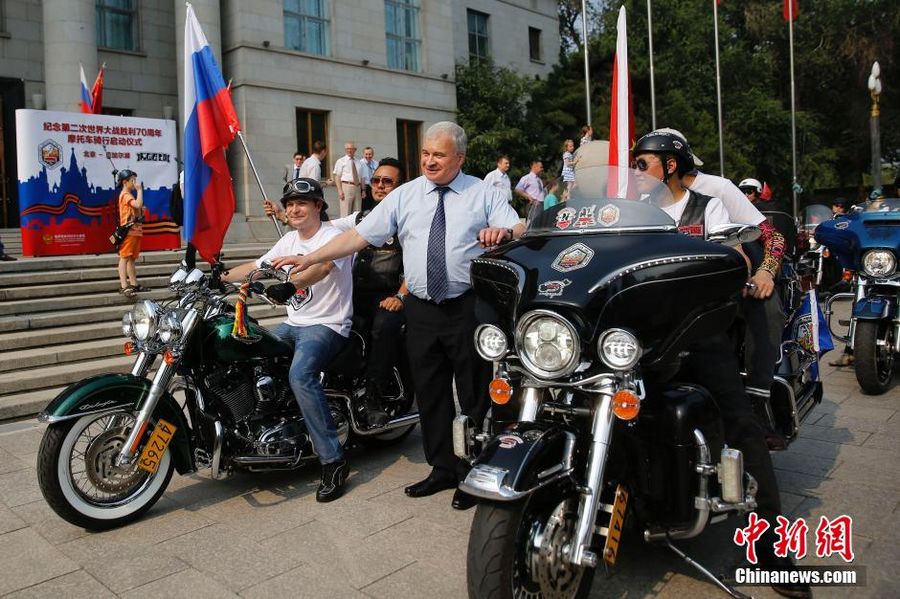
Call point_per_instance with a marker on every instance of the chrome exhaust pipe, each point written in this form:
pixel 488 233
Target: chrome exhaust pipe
pixel 400 422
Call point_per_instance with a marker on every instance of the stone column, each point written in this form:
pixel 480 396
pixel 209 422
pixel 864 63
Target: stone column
pixel 70 37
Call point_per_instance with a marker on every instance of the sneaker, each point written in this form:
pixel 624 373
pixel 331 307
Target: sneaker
pixel 334 477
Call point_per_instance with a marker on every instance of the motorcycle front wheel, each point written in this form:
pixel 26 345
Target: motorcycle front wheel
pixel 873 352
pixel 517 550
pixel 80 481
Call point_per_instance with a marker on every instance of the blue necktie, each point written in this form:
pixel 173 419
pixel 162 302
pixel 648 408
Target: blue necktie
pixel 438 283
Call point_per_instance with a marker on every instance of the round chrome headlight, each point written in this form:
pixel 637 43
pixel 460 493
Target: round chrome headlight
pixel 879 263
pixel 547 344
pixel 490 342
pixel 127 325
pixel 144 317
pixel 619 349
pixel 170 328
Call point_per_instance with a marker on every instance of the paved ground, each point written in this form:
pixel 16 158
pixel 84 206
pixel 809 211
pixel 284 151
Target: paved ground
pixel 265 536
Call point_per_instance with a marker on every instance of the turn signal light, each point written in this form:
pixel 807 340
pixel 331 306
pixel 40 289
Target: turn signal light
pixel 500 391
pixel 129 348
pixel 826 253
pixel 169 357
pixel 626 404
pixel 848 275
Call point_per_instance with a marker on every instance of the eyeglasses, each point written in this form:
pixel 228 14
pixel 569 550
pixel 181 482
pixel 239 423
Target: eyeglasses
pixel 640 164
pixel 386 181
pixel 748 190
pixel 299 186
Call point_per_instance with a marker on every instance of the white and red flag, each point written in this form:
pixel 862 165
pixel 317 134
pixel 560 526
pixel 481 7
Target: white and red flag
pixel 790 10
pixel 621 116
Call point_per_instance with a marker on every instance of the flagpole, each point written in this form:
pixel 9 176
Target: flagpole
pixel 719 89
pixel 275 222
pixel 652 83
pixel 587 77
pixel 793 109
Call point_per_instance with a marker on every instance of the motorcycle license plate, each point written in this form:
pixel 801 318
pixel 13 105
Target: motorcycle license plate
pixel 616 520
pixel 156 446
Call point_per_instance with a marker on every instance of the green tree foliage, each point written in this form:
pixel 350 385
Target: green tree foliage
pixel 835 43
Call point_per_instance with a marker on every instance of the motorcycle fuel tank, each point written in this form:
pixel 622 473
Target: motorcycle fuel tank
pixel 218 344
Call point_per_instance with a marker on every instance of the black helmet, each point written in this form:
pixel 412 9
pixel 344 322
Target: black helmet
pixel 124 175
pixel 303 189
pixel 664 142
pixel 842 202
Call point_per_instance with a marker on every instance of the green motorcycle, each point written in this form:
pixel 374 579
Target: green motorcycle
pixel 114 440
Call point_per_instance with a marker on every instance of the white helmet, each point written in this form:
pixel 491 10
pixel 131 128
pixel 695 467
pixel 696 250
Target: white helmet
pixel 755 184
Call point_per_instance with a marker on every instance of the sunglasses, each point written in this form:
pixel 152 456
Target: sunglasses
pixel 640 164
pixel 387 181
pixel 299 186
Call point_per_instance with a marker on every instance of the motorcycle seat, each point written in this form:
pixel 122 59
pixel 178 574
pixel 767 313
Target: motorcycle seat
pixel 350 361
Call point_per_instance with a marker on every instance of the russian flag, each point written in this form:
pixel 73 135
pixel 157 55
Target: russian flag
pixel 86 105
pixel 621 116
pixel 210 126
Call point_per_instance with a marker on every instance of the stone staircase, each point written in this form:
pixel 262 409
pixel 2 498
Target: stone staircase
pixel 60 318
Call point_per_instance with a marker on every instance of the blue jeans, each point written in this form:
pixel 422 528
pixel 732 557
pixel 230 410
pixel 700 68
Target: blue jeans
pixel 314 346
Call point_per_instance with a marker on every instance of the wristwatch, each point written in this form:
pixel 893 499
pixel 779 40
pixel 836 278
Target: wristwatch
pixel 400 296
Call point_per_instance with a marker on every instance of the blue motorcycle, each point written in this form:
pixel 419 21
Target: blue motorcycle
pixel 867 242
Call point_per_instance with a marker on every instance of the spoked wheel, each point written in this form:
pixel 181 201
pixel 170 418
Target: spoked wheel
pixel 80 481
pixel 873 345
pixel 519 550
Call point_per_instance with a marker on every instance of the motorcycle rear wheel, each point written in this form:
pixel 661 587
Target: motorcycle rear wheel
pixel 503 562
pixel 79 481
pixel 874 363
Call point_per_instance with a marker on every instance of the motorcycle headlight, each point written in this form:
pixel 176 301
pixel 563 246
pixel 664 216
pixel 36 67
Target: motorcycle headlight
pixel 144 317
pixel 127 325
pixel 547 344
pixel 490 342
pixel 619 349
pixel 170 328
pixel 879 263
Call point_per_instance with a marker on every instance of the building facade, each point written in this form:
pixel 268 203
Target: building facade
pixel 376 72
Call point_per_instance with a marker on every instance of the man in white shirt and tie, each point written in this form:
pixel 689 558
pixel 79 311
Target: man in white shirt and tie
pixel 367 165
pixel 347 180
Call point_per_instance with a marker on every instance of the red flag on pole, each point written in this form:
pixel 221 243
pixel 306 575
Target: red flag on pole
pixel 766 193
pixel 621 115
pixel 791 9
pixel 97 92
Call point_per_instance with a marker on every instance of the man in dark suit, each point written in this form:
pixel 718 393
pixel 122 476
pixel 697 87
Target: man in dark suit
pixel 292 171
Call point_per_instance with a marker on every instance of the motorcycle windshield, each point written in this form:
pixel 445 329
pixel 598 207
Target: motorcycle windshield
pixel 815 215
pixel 604 199
pixel 884 206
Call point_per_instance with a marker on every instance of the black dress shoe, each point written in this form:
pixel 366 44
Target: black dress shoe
pixel 462 500
pixel 7 258
pixel 799 590
pixel 431 485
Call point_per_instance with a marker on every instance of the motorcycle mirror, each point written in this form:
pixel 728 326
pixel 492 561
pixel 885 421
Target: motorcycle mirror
pixel 194 276
pixel 732 235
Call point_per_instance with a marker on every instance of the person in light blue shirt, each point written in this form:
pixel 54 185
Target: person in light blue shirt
pixel 443 220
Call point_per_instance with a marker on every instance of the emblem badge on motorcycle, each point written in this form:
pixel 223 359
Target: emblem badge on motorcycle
pixel 609 215
pixel 573 258
pixel 842 224
pixel 553 288
pixel 301 298
pixel 564 218
pixel 586 217
pixel 509 441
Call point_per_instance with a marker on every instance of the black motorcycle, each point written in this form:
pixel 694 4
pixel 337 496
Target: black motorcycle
pixel 115 439
pixel 585 319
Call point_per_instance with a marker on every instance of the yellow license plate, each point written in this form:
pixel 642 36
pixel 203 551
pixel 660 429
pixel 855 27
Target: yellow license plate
pixel 156 446
pixel 616 520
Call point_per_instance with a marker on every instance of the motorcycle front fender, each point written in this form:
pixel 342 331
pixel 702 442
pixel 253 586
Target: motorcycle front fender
pixel 113 392
pixel 873 308
pixel 526 457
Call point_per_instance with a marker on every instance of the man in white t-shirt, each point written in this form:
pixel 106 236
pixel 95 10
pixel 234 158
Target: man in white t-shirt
pixel 498 178
pixel 312 166
pixel 319 312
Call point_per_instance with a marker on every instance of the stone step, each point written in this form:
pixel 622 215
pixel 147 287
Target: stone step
pixel 61 374
pixel 27 404
pixel 36 357
pixel 108 285
pixel 68 277
pixel 69 305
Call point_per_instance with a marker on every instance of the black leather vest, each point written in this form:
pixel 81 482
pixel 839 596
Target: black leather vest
pixel 378 270
pixel 693 219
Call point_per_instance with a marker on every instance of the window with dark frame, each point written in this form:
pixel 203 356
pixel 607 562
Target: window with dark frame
pixel 401 20
pixel 117 25
pixel 307 26
pixel 408 148
pixel 312 126
pixel 479 42
pixel 534 44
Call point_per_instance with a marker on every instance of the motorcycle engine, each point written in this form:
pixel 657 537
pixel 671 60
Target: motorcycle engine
pixel 282 439
pixel 234 387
